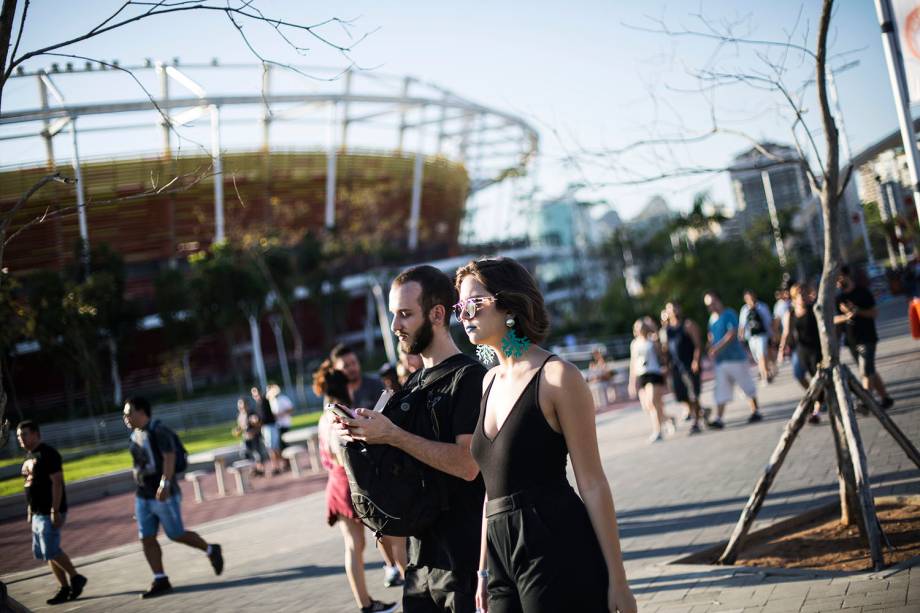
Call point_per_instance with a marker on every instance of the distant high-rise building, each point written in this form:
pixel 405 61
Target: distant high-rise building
pixel 786 178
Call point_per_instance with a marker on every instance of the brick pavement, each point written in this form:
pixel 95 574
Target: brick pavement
pixel 673 498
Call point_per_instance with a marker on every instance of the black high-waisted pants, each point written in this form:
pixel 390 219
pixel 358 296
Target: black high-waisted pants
pixel 543 554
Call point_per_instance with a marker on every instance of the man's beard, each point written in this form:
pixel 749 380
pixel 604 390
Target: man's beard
pixel 420 341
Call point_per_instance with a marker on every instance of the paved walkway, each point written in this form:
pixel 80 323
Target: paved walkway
pixel 673 499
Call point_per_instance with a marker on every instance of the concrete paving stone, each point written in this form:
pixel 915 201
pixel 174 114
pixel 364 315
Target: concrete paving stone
pixel 862 600
pixel 864 587
pixel 891 609
pixel 822 591
pixel 780 605
pixel 819 604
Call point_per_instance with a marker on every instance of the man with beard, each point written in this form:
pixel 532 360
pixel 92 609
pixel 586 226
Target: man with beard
pixel 364 389
pixel 443 560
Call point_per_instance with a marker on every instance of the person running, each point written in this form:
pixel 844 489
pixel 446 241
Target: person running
pixel 801 327
pixel 856 313
pixel 441 575
pixel 332 385
pixel 646 377
pixel 543 549
pixel 756 326
pixel 730 359
pixel 158 499
pixel 685 347
pixel 46 498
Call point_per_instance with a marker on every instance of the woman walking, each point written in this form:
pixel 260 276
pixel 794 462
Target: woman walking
pixel 332 385
pixel 646 377
pixel 801 326
pixel 544 549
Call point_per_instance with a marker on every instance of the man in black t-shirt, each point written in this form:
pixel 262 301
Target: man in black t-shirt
pixel 158 499
pixel 47 508
pixel 856 313
pixel 441 575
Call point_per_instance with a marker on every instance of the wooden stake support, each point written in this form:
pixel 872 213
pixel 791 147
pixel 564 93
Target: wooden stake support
pixel 836 384
pixel 793 426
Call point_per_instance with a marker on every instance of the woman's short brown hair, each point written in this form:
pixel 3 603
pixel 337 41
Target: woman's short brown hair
pixel 515 290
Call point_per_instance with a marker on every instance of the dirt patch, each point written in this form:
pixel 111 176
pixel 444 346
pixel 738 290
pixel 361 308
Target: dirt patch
pixel 824 544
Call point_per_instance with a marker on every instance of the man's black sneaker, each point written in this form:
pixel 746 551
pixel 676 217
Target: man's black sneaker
pixel 887 402
pixel 695 429
pixel 158 588
pixel 755 417
pixel 63 595
pixel 814 418
pixel 217 559
pixel 716 424
pixel 379 607
pixel 77 583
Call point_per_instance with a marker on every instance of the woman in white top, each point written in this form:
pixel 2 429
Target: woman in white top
pixel 646 376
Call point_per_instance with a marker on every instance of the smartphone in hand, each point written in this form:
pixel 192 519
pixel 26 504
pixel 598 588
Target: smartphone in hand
pixel 340 410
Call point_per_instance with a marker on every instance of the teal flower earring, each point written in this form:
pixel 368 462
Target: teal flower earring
pixel 512 344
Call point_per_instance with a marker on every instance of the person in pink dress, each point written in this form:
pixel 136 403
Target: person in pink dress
pixel 332 385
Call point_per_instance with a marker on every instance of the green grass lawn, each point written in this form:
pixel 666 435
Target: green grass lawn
pixel 195 440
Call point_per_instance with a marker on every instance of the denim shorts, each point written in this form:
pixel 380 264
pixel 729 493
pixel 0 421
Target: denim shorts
pixel 272 436
pixel 151 513
pixel 46 539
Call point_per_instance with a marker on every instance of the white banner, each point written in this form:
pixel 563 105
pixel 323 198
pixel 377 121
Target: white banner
pixel 907 21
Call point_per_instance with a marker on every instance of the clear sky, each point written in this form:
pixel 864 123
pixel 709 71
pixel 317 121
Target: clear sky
pixel 576 70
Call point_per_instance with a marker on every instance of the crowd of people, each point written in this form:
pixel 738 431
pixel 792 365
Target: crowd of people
pixel 507 539
pixel 670 355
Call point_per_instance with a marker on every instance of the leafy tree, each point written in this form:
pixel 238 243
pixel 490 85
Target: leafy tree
pixel 728 267
pixel 17 321
pixel 180 327
pixel 227 293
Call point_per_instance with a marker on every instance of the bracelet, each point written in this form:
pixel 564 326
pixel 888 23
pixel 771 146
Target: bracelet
pixel 483 574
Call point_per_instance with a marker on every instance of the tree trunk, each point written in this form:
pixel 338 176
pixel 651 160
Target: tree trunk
pixel 258 364
pixel 187 372
pixel 278 332
pixel 116 375
pixel 849 505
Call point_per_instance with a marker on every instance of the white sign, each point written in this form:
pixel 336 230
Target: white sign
pixel 907 20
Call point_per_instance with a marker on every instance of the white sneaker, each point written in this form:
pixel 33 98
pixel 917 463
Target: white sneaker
pixel 656 438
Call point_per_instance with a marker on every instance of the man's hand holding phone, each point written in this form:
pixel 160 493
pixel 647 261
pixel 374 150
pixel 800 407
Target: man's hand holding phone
pixel 363 425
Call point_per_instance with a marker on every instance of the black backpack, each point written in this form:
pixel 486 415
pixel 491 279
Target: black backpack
pixel 755 322
pixel 181 452
pixel 393 493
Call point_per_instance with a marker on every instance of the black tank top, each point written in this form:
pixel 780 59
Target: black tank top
pixel 805 330
pixel 526 453
pixel 680 345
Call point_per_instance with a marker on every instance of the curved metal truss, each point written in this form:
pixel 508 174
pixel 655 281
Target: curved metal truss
pixel 421 117
pixel 401 116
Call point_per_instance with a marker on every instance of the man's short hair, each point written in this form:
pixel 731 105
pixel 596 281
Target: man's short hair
pixel 437 288
pixel 340 351
pixel 28 424
pixel 139 403
pixel 752 293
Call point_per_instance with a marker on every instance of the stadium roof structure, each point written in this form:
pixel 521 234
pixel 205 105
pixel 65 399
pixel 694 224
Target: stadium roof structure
pixel 178 109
